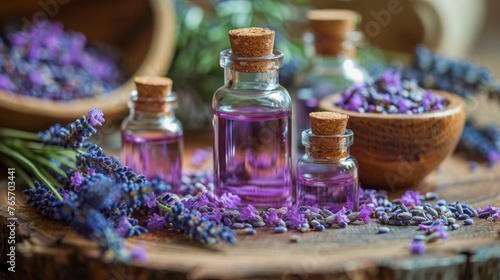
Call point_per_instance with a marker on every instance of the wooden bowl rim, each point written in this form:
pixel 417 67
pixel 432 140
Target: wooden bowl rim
pixel 156 62
pixel 456 104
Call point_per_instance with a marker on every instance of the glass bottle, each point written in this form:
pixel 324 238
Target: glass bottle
pixel 332 67
pixel 328 182
pixel 251 122
pixel 152 142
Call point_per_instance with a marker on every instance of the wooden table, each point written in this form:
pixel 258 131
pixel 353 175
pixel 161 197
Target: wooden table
pixel 48 249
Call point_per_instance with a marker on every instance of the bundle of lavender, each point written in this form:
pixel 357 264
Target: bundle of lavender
pixel 78 183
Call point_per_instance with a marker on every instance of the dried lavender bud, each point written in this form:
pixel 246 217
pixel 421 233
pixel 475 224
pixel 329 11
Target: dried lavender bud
pixel 484 215
pixel 238 226
pixel 45 61
pixel 383 230
pixel 431 70
pixel 431 196
pixel 468 222
pixel 247 231
pixel 463 217
pixel 259 224
pixel 319 228
pixel 404 216
pixel 294 239
pixel 390 95
pixel 280 229
pixel 453 227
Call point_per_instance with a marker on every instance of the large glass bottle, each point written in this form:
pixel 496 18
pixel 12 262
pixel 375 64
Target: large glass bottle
pixel 332 67
pixel 152 141
pixel 328 182
pixel 252 120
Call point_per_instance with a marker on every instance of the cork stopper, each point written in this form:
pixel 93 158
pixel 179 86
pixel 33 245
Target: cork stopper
pixel 251 42
pixel 327 124
pixel 152 92
pixel 331 28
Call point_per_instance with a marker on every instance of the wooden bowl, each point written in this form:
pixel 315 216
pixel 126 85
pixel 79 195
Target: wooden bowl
pixel 142 30
pixel 398 150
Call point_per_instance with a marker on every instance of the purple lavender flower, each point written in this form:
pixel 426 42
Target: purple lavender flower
pixel 403 105
pixel 156 222
pixel 364 213
pixel 214 215
pixel 294 217
pixel 417 247
pixel 199 156
pixel 249 213
pixel 6 84
pixel 410 198
pixel 123 226
pixel 372 198
pixel 96 117
pixel 391 78
pixel 139 254
pixel 44 201
pixel 36 78
pixel 151 200
pixel 200 201
pixel 342 217
pixel 99 192
pixel 77 180
pixel 230 201
pixel 71 136
pixel 494 211
pixel 271 217
pixel 424 228
pixel 46 62
pixel 390 95
pixel 199 228
pixel 355 103
pixel 443 233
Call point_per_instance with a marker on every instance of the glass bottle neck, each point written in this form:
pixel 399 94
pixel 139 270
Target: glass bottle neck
pixel 267 80
pixel 141 115
pixel 341 154
pixel 327 147
pixel 152 108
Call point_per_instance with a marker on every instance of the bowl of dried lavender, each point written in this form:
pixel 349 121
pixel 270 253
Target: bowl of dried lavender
pixel 402 132
pixel 84 56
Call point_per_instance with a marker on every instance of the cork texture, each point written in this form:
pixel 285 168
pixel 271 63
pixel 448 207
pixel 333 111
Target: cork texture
pixel 151 92
pixel 327 124
pixel 331 28
pixel 251 42
pixel 153 86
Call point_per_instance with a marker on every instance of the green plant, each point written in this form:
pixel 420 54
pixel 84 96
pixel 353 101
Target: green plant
pixel 202 34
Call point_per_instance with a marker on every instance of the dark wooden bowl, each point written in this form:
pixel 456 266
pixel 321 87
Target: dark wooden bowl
pixel 142 30
pixel 397 150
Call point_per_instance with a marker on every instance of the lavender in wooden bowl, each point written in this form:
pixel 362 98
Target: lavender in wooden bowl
pixel 402 132
pixel 50 74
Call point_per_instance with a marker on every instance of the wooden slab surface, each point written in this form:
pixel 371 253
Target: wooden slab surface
pixel 48 249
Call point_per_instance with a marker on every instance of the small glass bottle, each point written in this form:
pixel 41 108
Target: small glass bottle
pixel 333 66
pixel 152 141
pixel 327 175
pixel 252 119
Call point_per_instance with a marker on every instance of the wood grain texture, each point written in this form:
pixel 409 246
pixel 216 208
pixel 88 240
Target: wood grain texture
pixel 400 150
pixel 49 249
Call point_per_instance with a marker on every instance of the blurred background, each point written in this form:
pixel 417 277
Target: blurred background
pixel 387 38
pixel 182 40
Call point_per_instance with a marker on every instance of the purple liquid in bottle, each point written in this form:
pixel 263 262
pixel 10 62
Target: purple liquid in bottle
pixel 154 154
pixel 252 157
pixel 331 194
